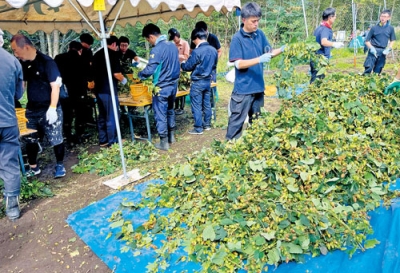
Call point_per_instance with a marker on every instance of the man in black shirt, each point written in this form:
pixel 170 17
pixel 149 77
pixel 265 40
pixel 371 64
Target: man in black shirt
pixel 106 121
pixel 73 74
pixel 380 40
pixel 87 56
pixel 43 109
pixel 126 56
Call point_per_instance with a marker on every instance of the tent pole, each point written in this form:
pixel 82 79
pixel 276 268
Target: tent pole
pixel 355 47
pixel 84 18
pixel 116 17
pixel 104 39
pixel 305 17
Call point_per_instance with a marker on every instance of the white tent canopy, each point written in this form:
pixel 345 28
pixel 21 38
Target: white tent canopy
pixel 63 15
pixel 34 15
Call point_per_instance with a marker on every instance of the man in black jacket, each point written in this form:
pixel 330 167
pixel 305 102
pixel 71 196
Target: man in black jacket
pixel 73 74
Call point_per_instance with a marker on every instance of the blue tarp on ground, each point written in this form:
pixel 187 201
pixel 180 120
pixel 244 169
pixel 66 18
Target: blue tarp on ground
pixel 92 226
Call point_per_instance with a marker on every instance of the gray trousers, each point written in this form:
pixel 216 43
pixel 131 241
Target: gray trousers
pixel 240 107
pixel 9 164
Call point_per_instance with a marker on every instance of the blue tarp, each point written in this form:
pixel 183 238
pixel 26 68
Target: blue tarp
pixel 92 226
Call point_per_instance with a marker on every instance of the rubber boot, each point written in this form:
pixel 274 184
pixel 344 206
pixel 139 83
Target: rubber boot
pixel 12 207
pixel 163 145
pixel 171 137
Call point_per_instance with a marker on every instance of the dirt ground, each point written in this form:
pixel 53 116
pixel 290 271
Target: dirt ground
pixel 41 240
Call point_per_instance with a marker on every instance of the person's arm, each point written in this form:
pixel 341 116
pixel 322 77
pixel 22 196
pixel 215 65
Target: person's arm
pixel 191 63
pixel 55 92
pixel 219 51
pixel 19 83
pixel 243 64
pixel 151 66
pixel 119 76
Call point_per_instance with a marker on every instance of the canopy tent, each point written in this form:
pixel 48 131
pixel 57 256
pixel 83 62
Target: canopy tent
pixel 34 15
pixel 31 15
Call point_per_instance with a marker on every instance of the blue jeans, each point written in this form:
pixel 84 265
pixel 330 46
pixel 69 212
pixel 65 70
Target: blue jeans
pixel 163 107
pixel 106 120
pixel 9 166
pixel 200 94
pixel 242 106
pixel 373 63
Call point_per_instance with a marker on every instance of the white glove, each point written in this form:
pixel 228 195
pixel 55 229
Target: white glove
pixel 387 51
pixel 337 45
pixel 51 115
pixel 372 50
pixel 229 64
pixel 265 58
pixel 124 81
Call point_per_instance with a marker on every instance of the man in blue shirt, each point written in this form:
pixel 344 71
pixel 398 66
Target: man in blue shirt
pixel 10 88
pixel 43 109
pixel 164 66
pixel 202 62
pixel 380 40
pixel 323 35
pixel 249 50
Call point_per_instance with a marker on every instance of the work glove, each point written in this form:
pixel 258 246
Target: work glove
pixel 124 81
pixel 337 45
pixel 265 58
pixel 373 51
pixel 51 115
pixel 283 48
pixel 135 64
pixel 229 64
pixel 387 51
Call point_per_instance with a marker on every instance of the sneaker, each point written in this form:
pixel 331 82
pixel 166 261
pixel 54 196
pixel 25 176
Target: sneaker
pixel 179 112
pixel 12 207
pixel 194 132
pixel 33 171
pixel 105 144
pixel 207 128
pixel 60 171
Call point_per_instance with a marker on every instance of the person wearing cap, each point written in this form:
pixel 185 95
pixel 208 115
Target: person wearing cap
pixel 73 75
pixel 163 65
pixel 183 49
pixel 202 62
pixel 11 89
pixel 379 41
pixel 324 36
pixel 248 53
pixel 127 56
pixel 106 120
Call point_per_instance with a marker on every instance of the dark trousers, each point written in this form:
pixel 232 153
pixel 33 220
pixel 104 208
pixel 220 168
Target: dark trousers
pixel 242 106
pixel 9 165
pixel 314 72
pixel 73 108
pixel 373 63
pixel 53 132
pixel 200 94
pixel 180 103
pixel 106 120
pixel 163 107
